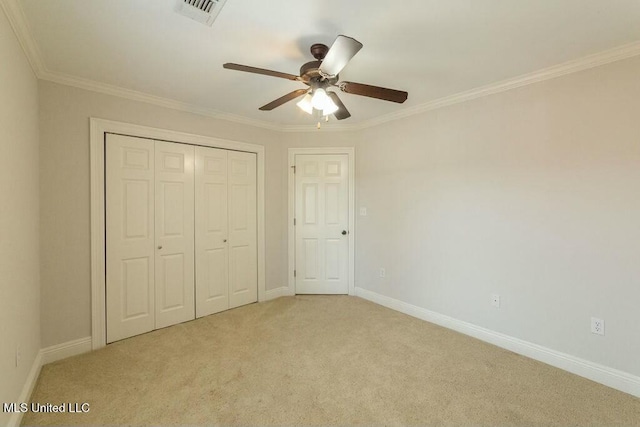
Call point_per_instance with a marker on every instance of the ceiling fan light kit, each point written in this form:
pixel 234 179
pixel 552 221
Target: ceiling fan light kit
pixel 321 74
pixel 319 101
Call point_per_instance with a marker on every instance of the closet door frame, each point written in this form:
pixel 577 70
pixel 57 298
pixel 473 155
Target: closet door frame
pixel 98 130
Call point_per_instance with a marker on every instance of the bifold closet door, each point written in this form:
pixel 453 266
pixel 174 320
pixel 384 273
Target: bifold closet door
pixel 243 249
pixel 180 233
pixel 130 240
pixel 226 248
pixel 174 231
pixel 149 235
pixel 212 233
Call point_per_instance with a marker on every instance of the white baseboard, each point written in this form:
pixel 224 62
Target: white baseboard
pixel 27 389
pixel 277 293
pixel 610 377
pixel 44 356
pixel 66 349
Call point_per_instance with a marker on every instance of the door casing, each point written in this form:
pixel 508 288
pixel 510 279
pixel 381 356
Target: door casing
pixel 350 152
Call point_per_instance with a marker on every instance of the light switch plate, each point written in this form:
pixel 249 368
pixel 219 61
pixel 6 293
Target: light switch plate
pixel 363 211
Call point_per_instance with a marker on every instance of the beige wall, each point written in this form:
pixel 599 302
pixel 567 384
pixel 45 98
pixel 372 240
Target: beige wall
pixel 533 194
pixel 19 247
pixel 65 222
pixel 64 164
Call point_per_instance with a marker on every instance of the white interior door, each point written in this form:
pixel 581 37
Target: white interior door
pixel 322 219
pixel 130 236
pixel 174 223
pixel 212 258
pixel 243 250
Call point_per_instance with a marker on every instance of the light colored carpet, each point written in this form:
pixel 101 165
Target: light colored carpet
pixel 320 360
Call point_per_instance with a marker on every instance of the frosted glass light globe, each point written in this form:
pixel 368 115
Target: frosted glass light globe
pixel 330 107
pixel 305 105
pixel 319 100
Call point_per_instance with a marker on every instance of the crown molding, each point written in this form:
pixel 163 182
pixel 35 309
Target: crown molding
pixel 134 95
pixel 574 66
pixel 20 26
pixel 117 91
pixel 569 67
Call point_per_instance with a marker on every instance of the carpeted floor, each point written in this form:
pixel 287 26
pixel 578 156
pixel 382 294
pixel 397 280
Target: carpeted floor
pixel 319 360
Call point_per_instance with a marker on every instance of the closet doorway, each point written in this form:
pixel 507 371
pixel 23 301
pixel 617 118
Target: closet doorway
pixel 181 232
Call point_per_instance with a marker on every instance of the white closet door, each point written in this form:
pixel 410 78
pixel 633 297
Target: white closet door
pixel 243 270
pixel 322 219
pixel 212 258
pixel 174 224
pixel 129 236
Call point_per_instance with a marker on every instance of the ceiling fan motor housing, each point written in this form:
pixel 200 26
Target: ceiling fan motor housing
pixel 310 74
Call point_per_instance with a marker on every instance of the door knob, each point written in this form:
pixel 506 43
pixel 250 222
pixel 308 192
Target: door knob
pixel 344 232
pixel 160 247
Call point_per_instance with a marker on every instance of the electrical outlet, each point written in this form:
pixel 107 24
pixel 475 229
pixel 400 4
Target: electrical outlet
pixel 383 272
pixel 18 355
pixel 363 211
pixel 597 326
pixel 495 300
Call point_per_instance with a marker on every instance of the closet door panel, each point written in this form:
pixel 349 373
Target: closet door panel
pixel 212 284
pixel 243 270
pixel 130 252
pixel 174 229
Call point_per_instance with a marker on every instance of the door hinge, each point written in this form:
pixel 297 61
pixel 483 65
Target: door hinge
pixel 294 221
pixel 294 273
pixel 294 169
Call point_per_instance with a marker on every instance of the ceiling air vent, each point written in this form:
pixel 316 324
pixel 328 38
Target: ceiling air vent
pixel 203 11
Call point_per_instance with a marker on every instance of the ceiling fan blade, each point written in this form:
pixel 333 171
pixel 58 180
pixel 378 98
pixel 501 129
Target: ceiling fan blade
pixel 288 97
pixel 342 112
pixel 340 53
pixel 374 92
pixel 255 70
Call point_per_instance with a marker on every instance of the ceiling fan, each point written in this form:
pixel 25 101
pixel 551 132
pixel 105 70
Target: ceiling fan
pixel 322 74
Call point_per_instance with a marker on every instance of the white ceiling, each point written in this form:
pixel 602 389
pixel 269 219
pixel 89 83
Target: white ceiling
pixel 430 48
